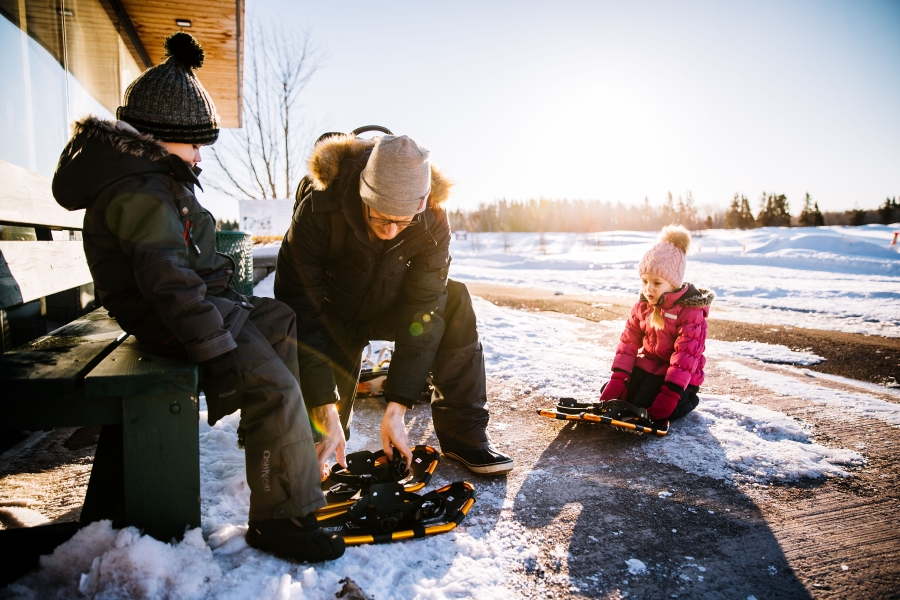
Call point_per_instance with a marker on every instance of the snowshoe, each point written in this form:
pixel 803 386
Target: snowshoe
pixel 386 512
pixel 344 487
pixel 616 413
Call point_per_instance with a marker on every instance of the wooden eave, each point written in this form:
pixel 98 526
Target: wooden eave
pixel 218 25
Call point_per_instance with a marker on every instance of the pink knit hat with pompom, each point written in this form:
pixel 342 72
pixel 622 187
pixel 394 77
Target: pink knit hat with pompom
pixel 667 258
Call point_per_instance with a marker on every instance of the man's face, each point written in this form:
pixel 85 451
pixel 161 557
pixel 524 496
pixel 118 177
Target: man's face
pixel 384 226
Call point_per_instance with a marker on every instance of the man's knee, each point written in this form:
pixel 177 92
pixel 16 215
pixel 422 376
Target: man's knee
pixel 459 311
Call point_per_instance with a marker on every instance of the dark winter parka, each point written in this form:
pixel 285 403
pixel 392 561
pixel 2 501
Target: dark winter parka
pixel 150 246
pixel 334 297
pixel 676 351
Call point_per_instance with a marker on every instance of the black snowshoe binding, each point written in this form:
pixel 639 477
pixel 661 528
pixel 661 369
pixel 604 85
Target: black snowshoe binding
pixel 622 415
pixel 386 512
pixel 345 486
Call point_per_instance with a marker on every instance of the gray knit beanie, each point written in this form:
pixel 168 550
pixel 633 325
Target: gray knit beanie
pixel 168 102
pixel 397 178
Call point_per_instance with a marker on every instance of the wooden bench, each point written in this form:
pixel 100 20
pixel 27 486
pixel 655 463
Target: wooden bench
pixel 89 372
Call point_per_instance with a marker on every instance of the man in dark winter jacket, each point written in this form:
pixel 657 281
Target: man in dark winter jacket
pixel 367 257
pixel 151 249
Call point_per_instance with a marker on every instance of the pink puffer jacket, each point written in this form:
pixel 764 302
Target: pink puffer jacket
pixel 677 350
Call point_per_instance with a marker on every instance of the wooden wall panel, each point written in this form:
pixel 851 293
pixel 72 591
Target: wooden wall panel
pixel 217 24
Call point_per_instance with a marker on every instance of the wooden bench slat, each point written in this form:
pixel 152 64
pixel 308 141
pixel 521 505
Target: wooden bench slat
pixel 30 270
pixel 55 364
pixel 26 199
pixel 130 371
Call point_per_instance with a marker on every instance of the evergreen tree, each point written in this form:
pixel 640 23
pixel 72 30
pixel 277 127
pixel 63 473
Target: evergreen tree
pixel 857 217
pixel 746 220
pixel 733 216
pixel 886 212
pixel 811 216
pixel 774 211
pixel 668 211
pixel 818 217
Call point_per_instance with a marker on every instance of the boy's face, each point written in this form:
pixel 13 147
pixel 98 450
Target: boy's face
pixel 654 286
pixel 189 153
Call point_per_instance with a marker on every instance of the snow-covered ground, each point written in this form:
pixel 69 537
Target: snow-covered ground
pixel 840 278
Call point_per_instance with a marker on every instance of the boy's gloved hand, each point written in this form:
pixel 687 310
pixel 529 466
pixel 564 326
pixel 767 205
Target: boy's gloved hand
pixel 223 386
pixel 665 403
pixel 617 388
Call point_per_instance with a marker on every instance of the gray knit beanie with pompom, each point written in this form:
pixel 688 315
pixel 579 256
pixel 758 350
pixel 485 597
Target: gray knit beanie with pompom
pixel 168 101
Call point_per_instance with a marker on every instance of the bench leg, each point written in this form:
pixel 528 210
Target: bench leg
pixel 162 463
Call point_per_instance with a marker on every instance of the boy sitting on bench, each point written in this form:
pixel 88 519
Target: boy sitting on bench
pixel 151 249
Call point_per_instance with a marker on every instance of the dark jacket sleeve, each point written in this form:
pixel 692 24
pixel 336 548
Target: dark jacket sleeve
pixel 421 315
pixel 141 213
pixel 299 283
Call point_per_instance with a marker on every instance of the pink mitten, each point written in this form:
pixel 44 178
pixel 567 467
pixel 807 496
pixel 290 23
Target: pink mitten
pixel 617 388
pixel 665 403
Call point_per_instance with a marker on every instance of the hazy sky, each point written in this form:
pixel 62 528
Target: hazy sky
pixel 617 101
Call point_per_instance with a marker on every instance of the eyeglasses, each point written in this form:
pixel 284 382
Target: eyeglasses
pixel 401 224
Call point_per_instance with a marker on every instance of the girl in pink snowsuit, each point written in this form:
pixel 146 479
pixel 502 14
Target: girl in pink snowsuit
pixel 659 361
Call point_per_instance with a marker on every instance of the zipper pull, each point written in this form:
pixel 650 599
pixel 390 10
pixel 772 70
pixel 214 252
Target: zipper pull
pixel 189 231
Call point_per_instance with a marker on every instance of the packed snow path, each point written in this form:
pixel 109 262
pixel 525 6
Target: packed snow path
pixel 587 512
pixel 784 482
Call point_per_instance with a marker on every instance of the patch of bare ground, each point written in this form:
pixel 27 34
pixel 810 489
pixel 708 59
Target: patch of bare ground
pixel 862 357
pixel 47 474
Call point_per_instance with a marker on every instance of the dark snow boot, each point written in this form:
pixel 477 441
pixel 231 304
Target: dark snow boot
pixel 296 539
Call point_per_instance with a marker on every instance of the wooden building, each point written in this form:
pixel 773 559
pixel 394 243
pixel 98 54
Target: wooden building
pixel 62 60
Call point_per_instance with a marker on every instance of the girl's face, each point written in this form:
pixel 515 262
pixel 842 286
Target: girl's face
pixel 189 153
pixel 653 287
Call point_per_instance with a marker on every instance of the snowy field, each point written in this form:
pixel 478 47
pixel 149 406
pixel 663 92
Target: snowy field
pixel 839 278
pixel 845 279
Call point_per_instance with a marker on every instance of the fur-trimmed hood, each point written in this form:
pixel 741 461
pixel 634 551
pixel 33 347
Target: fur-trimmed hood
pixel 101 152
pixel 697 297
pixel 328 155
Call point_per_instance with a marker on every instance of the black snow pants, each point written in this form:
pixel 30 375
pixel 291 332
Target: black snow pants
pixel 458 405
pixel 282 467
pixel 644 387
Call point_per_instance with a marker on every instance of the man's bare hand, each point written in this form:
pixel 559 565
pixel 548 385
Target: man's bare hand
pixel 393 432
pixel 326 419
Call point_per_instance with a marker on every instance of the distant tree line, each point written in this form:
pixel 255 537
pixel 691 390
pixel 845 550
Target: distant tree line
pixel 774 211
pixel 582 216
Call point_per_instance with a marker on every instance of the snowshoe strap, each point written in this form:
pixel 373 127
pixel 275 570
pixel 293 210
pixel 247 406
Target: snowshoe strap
pixel 366 468
pixel 621 410
pixel 388 506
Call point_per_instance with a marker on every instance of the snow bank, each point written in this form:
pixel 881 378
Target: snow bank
pixel 845 279
pixel 859 404
pixel 728 440
pixel 101 562
pixel 770 353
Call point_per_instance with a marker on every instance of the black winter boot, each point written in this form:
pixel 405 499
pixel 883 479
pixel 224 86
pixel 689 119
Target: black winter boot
pixel 297 539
